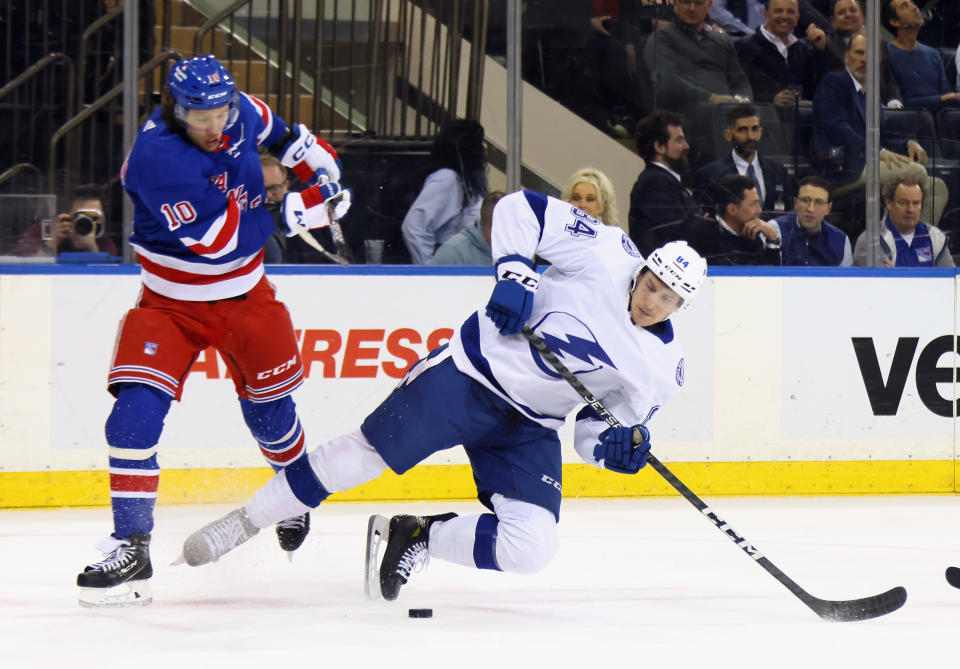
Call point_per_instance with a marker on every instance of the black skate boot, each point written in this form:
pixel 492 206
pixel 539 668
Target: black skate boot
pixel 122 577
pixel 406 551
pixel 292 531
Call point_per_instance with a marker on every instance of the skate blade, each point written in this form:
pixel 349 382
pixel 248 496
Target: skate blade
pixel 378 527
pixel 131 593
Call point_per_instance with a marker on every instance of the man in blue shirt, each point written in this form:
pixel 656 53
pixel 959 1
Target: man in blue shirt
pixel 917 67
pixel 805 237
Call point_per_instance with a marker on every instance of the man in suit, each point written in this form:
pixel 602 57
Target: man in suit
pixel 783 69
pixel 737 236
pixel 839 135
pixel 846 21
pixel 744 132
pixel 661 208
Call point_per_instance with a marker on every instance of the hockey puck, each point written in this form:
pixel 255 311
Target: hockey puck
pixel 420 613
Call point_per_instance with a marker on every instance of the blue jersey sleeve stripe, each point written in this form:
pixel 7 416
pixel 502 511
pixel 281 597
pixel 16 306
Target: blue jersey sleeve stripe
pixel 538 203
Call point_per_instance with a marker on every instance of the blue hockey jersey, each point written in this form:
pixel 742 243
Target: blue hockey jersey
pixel 198 227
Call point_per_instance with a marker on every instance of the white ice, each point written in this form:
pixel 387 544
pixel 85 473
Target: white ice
pixel 637 583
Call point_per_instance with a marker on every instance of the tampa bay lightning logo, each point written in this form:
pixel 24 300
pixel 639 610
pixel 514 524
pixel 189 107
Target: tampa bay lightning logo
pixel 630 247
pixel 573 342
pixel 680 372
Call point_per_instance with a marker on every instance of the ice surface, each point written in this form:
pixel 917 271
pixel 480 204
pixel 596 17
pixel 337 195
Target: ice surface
pixel 637 583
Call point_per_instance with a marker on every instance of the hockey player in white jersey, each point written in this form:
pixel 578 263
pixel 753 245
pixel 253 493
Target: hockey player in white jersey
pixel 599 306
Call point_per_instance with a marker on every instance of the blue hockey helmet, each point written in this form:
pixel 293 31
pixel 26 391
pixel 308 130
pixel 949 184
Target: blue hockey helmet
pixel 202 83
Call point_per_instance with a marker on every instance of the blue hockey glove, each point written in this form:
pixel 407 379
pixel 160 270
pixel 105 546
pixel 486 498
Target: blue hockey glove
pixel 511 302
pixel 623 449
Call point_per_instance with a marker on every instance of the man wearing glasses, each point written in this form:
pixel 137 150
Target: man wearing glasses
pixel 807 239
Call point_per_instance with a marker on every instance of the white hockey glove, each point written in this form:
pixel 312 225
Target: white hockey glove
pixel 306 153
pixel 302 211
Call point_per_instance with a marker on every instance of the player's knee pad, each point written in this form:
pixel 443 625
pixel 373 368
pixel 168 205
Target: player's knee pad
pixel 276 428
pixel 136 420
pixel 527 537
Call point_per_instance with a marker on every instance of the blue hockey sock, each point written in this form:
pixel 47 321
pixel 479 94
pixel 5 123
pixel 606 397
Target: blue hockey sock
pixel 132 431
pixel 276 428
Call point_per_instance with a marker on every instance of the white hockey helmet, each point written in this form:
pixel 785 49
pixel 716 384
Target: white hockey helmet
pixel 679 266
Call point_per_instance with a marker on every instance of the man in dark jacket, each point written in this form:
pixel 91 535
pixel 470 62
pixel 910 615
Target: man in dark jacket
pixel 661 208
pixel 744 132
pixel 737 236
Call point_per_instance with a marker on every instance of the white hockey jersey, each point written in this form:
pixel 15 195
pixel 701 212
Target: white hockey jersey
pixel 581 310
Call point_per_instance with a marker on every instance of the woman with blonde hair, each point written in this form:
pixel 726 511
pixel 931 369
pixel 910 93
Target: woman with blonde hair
pixel 590 190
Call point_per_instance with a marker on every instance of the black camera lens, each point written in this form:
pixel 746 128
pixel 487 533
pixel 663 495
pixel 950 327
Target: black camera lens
pixel 82 224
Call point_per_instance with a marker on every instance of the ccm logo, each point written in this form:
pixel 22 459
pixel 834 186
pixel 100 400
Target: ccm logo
pixel 549 481
pixel 278 370
pixel 527 281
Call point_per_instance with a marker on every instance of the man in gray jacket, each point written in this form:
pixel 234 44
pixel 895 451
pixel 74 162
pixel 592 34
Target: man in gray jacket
pixel 905 240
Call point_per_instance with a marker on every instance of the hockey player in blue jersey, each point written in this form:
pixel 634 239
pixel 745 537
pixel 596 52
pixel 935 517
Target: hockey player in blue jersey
pixel 604 311
pixel 199 231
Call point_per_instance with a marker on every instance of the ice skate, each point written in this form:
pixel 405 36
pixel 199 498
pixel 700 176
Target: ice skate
pixel 407 540
pixel 213 541
pixel 292 532
pixel 122 577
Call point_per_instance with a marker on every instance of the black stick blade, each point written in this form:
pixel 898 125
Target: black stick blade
pixel 953 576
pixel 860 609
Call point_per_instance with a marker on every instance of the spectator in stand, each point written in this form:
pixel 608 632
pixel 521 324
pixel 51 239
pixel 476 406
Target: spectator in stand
pixel 846 21
pixel 279 248
pixel 744 132
pixel 905 240
pixel 81 229
pixel 805 237
pixel 584 53
pixel 451 196
pixel 918 68
pixel 738 236
pixel 590 191
pixel 694 66
pixel 839 135
pixel 661 207
pixel 276 183
pixel 471 246
pixel 739 18
pixel 783 69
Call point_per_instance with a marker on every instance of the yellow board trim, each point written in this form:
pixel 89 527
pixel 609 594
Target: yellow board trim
pixel 455 482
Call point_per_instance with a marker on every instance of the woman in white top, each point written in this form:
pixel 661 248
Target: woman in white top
pixel 451 195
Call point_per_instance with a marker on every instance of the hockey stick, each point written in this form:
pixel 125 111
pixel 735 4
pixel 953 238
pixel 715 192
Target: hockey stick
pixel 312 241
pixel 840 610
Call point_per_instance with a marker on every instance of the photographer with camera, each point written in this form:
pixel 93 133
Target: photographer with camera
pixel 81 229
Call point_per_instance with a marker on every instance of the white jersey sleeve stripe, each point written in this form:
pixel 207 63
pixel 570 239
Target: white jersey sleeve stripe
pixel 266 114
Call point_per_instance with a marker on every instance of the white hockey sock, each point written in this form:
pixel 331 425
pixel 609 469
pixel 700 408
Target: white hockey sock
pixel 452 540
pixel 342 463
pixel 274 502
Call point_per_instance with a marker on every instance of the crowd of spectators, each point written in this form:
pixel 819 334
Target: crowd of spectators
pixel 770 91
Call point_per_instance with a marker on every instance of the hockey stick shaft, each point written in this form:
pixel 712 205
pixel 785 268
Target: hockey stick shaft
pixel 312 241
pixel 832 610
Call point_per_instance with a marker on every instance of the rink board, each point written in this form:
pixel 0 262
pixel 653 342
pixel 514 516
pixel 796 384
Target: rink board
pixel 796 382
